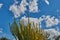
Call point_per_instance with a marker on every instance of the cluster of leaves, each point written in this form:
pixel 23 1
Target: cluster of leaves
pixel 22 32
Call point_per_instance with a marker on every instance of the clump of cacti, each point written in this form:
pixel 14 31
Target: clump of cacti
pixel 26 32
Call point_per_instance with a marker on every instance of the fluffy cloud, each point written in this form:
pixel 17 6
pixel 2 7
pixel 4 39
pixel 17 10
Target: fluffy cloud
pixel 1 5
pixel 15 10
pixel 21 8
pixel 33 6
pixel 18 9
pixel 53 33
pixel 47 2
pixel 51 21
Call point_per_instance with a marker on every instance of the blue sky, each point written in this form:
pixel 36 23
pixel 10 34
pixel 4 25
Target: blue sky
pixel 6 16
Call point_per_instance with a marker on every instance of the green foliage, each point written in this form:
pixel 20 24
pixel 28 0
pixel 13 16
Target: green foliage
pixel 26 32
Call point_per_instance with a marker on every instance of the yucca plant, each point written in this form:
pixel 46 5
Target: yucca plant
pixel 26 32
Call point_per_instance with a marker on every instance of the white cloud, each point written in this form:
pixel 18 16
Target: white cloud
pixel 51 21
pixel 18 9
pixel 47 2
pixel 33 6
pixel 21 8
pixel 53 33
pixel 1 5
pixel 15 10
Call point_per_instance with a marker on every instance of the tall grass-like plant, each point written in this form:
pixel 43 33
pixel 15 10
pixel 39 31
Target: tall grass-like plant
pixel 26 32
